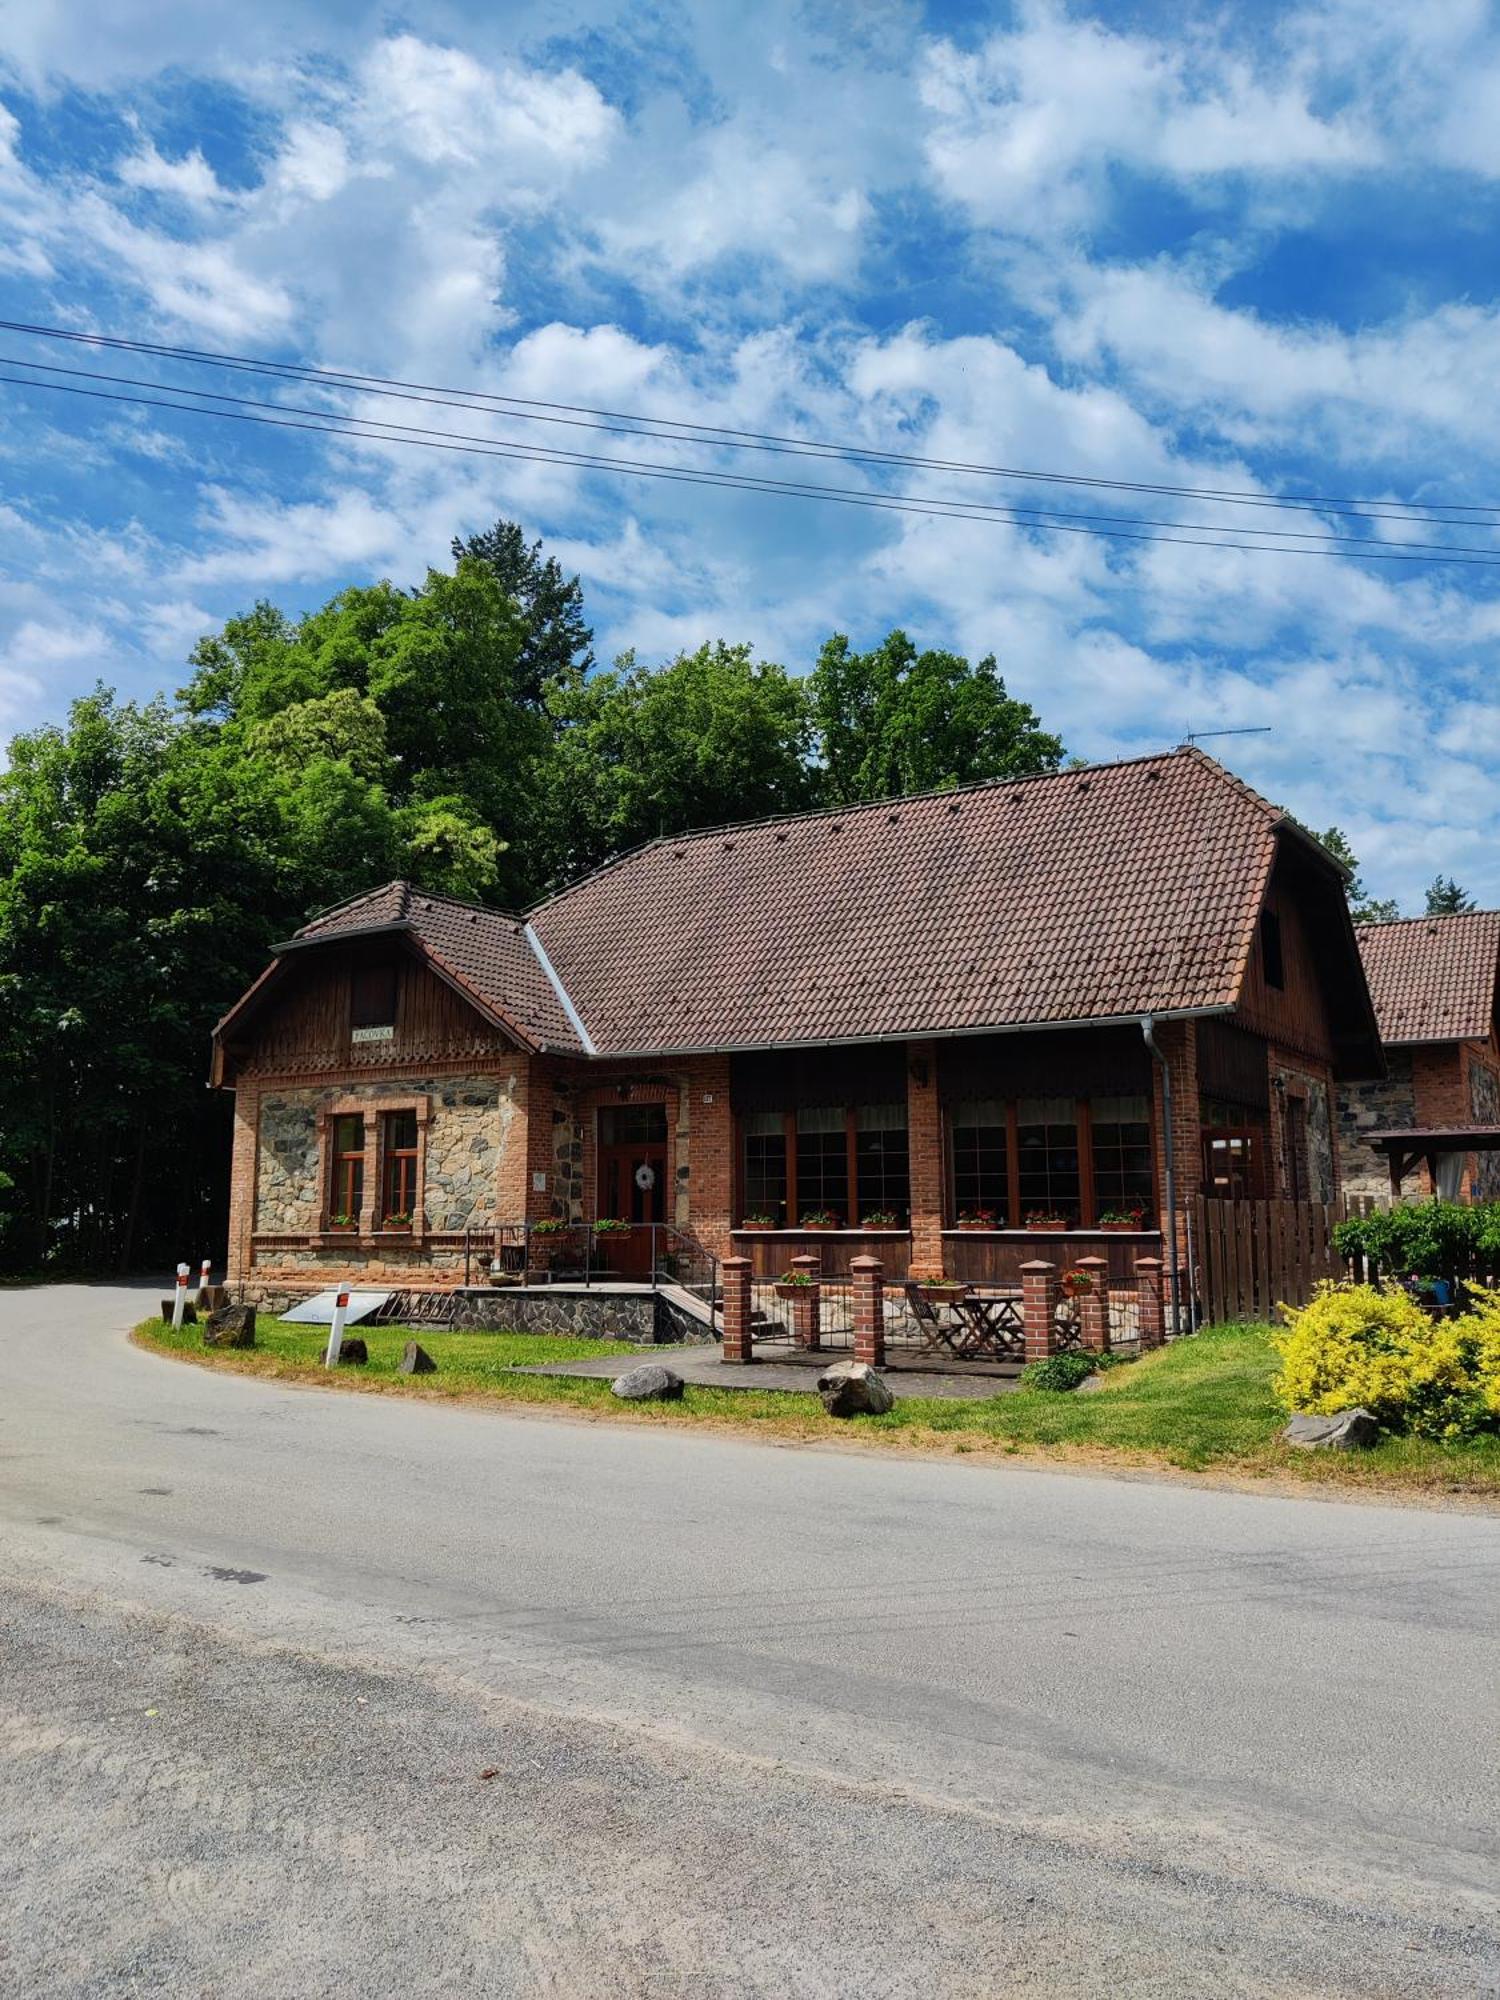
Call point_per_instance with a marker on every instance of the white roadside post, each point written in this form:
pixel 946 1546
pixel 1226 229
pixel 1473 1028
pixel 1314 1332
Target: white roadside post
pixel 336 1331
pixel 179 1297
pixel 205 1278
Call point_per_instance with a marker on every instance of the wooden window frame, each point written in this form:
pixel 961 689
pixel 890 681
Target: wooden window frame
pixel 793 1206
pixel 372 1110
pixel 396 1157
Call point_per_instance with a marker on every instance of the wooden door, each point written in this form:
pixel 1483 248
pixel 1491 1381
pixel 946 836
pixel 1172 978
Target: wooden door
pixel 632 1185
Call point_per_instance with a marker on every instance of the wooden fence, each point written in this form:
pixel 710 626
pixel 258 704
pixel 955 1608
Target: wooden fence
pixel 1251 1256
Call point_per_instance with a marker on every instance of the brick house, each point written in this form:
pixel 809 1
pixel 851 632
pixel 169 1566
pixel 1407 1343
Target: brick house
pixel 1435 984
pixel 843 1030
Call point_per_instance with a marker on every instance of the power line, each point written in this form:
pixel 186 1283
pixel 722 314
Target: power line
pixel 1005 510
pixel 371 431
pixel 728 438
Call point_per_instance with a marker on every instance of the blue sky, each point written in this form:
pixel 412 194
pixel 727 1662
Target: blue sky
pixel 1245 247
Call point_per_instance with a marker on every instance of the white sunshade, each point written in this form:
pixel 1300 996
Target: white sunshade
pixel 318 1310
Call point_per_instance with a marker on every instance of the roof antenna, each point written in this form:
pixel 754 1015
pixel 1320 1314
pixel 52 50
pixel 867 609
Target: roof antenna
pixel 1198 735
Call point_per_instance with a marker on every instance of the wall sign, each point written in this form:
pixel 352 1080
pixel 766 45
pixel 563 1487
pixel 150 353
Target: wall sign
pixel 387 1034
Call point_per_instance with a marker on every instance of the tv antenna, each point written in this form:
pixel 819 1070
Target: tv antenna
pixel 1254 729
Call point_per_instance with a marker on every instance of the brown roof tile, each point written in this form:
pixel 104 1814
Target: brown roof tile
pixel 1433 979
pixel 1118 889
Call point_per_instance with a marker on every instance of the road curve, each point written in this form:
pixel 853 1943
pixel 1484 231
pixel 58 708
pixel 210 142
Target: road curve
pixel 756 1720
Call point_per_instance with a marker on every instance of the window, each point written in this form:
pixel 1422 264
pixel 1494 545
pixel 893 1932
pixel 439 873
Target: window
pixel 1270 949
pixel 765 1164
pixel 981 1163
pixel 1230 1164
pixel 633 1125
pixel 882 1172
pixel 1121 1132
pixel 823 1162
pixel 1296 1149
pixel 372 997
pixel 346 1191
pixel 1047 1131
pixel 398 1145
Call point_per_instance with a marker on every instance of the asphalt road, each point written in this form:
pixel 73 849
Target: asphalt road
pixel 305 1694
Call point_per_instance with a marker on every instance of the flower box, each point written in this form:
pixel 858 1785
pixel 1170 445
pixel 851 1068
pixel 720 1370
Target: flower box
pixel 609 1225
pixel 979 1218
pixel 759 1222
pixel 793 1288
pixel 1046 1222
pixel 941 1291
pixel 821 1220
pixel 1077 1283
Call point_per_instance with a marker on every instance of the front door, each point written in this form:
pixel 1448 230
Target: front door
pixel 632 1182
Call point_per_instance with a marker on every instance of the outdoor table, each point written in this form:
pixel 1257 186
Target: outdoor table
pixel 994 1325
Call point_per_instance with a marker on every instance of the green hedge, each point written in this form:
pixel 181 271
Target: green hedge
pixel 1427 1239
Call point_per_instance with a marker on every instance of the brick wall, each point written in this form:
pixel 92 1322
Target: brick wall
pixel 1295 1079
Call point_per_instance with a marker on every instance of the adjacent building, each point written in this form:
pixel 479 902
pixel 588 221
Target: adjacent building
pixel 947 1028
pixel 1435 985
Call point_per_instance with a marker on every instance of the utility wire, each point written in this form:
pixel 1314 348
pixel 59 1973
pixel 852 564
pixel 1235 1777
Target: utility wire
pixel 363 430
pixel 1436 512
pixel 1004 509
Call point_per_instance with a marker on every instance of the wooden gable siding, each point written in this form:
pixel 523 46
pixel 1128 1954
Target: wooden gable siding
pixel 1295 1015
pixel 305 1024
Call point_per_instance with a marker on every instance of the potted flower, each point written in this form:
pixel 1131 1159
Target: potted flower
pixel 976 1218
pixel 881 1218
pixel 1076 1283
pixel 794 1284
pixel 549 1225
pixel 402 1220
pixel 611 1225
pixel 821 1218
pixel 757 1219
pixel 1045 1218
pixel 1123 1218
pixel 941 1291
pixel 343 1222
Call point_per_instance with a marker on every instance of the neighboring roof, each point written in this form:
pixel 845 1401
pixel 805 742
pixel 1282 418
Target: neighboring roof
pixel 1433 979
pixel 1435 1138
pixel 487 954
pixel 1084 895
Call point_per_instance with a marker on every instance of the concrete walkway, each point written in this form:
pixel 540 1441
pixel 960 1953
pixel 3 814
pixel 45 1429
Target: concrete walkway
pixel 798 1373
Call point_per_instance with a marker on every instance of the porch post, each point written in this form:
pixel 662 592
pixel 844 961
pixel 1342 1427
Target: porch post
pixel 737 1346
pixel 924 1141
pixel 1039 1308
pixel 1149 1316
pixel 807 1309
pixel 869 1310
pixel 1093 1306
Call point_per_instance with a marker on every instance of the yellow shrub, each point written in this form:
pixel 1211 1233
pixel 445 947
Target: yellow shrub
pixel 1356 1345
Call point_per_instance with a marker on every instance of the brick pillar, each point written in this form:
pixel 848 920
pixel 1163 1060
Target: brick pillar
pixel 925 1152
pixel 1093 1306
pixel 737 1346
pixel 1150 1314
pixel 807 1306
pixel 242 1179
pixel 1039 1308
pixel 869 1310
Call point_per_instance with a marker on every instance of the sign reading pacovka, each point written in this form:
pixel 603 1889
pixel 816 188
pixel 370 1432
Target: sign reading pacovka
pixel 372 1034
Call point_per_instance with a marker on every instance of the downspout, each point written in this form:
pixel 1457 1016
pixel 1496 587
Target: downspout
pixel 1148 1029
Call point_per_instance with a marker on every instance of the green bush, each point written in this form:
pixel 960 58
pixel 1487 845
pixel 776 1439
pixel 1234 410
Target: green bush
pixel 1358 1346
pixel 1059 1371
pixel 1427 1239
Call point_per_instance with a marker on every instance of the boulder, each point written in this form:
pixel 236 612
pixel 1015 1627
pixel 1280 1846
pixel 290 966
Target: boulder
pixel 189 1312
pixel 415 1360
pixel 650 1383
pixel 854 1389
pixel 352 1351
pixel 1350 1430
pixel 230 1326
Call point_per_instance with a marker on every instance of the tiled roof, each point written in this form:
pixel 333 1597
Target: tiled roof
pixel 1432 979
pixel 1114 890
pixel 486 951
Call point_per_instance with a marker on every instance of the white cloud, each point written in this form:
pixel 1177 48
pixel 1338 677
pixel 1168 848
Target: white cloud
pixel 190 179
pixel 446 108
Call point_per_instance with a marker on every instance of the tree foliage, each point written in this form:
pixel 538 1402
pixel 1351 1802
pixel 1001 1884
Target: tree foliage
pixel 455 734
pixel 1446 899
pixel 1363 907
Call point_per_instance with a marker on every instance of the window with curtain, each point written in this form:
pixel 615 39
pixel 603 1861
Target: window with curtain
pixel 346 1188
pixel 981 1164
pixel 398 1145
pixel 1121 1131
pixel 823 1161
pixel 882 1167
pixel 1047 1130
pixel 764 1135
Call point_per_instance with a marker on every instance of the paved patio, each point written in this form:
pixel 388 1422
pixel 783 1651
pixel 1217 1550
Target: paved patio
pixel 798 1372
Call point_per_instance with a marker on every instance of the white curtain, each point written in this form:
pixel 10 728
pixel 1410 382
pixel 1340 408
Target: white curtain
pixel 1450 1174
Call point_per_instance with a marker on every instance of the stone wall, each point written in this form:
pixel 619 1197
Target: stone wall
pixel 472 1121
pixel 1484 1109
pixel 1372 1107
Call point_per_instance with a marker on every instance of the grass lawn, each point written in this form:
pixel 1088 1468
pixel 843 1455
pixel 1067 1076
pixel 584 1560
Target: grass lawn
pixel 1200 1405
